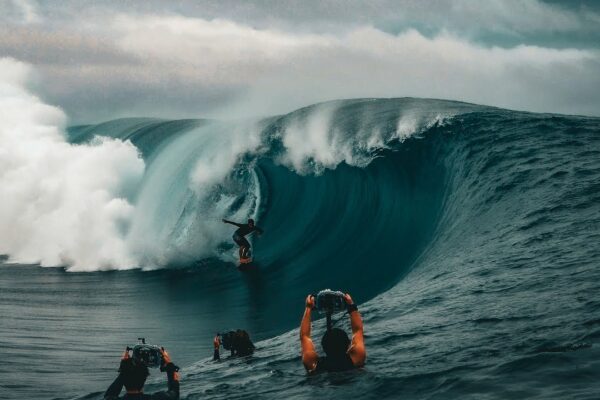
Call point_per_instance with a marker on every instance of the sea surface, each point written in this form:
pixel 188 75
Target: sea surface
pixel 468 235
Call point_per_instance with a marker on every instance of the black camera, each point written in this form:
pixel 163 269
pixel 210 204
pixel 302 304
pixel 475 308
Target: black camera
pixel 329 301
pixel 146 354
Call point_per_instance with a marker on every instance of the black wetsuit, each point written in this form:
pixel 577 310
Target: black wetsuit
pixel 242 231
pixel 113 391
pixel 334 365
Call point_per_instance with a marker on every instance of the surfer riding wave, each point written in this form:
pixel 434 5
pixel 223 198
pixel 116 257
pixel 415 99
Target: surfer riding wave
pixel 239 236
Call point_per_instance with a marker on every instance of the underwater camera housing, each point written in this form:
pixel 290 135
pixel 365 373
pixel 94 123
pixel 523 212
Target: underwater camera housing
pixel 328 301
pixel 146 354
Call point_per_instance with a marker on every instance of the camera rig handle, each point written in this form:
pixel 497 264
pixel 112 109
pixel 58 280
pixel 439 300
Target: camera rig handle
pixel 329 323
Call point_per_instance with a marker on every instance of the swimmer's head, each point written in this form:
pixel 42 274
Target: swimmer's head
pixel 335 342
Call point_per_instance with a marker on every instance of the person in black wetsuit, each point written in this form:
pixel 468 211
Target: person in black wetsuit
pixel 342 354
pixel 133 375
pixel 240 233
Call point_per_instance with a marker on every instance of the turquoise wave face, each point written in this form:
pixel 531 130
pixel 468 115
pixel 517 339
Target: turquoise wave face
pixel 293 172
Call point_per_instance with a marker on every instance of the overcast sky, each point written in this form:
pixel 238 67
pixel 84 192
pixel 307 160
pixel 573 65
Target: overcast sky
pixel 100 60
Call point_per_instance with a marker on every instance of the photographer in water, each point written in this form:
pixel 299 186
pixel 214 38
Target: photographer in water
pixel 341 353
pixel 133 372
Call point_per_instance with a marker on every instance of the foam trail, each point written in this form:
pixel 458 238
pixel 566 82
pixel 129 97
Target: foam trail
pixel 62 204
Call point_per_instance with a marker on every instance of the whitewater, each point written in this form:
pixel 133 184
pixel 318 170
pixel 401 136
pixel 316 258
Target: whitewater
pixel 466 233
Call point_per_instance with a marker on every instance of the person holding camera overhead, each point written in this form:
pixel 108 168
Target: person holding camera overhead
pixel 342 354
pixel 133 372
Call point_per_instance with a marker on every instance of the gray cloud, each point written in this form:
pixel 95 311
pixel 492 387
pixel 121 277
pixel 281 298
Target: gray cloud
pixel 511 17
pixel 112 59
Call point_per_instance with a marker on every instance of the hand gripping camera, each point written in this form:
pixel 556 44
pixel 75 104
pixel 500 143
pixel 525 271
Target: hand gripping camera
pixel 146 354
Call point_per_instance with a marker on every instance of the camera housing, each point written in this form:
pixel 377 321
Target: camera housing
pixel 146 354
pixel 329 301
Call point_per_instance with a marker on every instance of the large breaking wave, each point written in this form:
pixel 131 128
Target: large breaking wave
pixel 286 172
pixel 495 213
pixel 332 183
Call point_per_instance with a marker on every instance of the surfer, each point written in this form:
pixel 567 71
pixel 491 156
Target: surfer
pixel 240 233
pixel 341 353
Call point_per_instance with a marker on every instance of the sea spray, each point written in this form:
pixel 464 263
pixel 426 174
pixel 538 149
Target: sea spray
pixel 62 204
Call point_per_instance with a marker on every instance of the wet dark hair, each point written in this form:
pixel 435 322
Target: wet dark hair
pixel 250 221
pixel 134 375
pixel 335 342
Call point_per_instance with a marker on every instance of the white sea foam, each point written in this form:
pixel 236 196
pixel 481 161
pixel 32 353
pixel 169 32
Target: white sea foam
pixel 61 204
pixel 314 140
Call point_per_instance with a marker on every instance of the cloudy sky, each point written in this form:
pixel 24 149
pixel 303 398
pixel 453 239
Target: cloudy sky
pixel 100 60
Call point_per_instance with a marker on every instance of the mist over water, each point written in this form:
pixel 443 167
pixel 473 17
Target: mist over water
pixel 464 233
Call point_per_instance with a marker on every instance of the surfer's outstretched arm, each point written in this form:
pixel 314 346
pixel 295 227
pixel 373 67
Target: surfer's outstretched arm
pixel 357 351
pixel 309 354
pixel 232 223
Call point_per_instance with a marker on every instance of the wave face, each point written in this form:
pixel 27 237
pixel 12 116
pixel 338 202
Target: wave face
pixel 334 185
pixel 470 230
pixel 328 182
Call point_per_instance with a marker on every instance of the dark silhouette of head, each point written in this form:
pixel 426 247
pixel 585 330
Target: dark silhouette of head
pixel 134 374
pixel 250 222
pixel 243 344
pixel 335 342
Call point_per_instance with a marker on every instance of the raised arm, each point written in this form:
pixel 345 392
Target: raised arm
pixel 258 230
pixel 113 391
pixel 357 351
pixel 172 371
pixel 232 223
pixel 309 354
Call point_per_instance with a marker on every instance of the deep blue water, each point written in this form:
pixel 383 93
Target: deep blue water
pixel 467 234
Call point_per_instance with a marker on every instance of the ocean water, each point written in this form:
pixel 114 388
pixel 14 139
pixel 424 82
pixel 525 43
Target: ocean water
pixel 467 234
